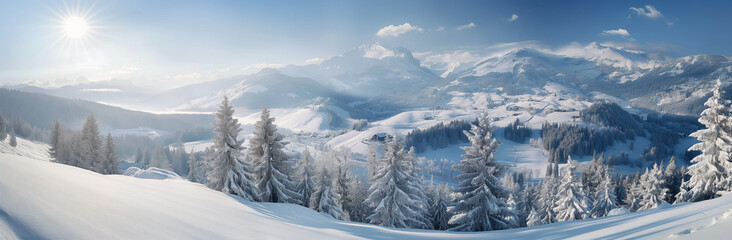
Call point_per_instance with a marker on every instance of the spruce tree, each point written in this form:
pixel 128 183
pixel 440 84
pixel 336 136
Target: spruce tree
pixel 438 206
pixel 229 170
pixel 56 139
pixel 654 188
pixel 13 142
pixel 572 201
pixel 481 206
pixel 396 194
pixel 605 199
pixel 323 199
pixel 3 129
pixel 304 176
pixel 271 165
pixel 194 172
pixel 710 171
pixel 674 177
pixel 91 145
pixel 110 162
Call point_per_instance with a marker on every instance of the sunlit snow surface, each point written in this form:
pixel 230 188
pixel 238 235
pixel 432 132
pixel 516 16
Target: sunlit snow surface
pixel 44 200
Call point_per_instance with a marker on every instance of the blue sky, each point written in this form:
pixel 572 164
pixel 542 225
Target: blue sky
pixel 171 43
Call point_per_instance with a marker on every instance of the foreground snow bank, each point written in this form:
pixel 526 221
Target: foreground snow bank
pixel 47 200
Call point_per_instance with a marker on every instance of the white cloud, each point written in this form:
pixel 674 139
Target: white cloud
pixel 466 26
pixel 440 28
pixel 394 31
pixel 314 61
pixel 648 11
pixel 376 51
pixel 513 18
pixel 619 32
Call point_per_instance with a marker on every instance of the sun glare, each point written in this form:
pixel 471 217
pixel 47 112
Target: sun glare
pixel 75 27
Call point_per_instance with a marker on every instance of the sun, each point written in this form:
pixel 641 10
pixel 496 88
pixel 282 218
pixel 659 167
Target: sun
pixel 75 27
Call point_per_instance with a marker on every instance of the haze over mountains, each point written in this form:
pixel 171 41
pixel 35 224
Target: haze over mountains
pixel 374 81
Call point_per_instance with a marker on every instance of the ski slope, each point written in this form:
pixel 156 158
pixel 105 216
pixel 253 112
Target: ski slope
pixel 45 200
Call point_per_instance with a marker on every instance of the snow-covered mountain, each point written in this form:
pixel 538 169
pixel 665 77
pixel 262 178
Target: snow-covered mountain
pixel 375 81
pixel 368 71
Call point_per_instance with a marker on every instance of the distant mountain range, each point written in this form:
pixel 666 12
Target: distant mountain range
pixel 373 81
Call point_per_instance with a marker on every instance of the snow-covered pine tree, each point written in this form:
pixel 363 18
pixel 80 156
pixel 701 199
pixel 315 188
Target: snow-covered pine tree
pixel 710 171
pixel 535 218
pixel 357 193
pixel 55 139
pixel 271 165
pixel 633 192
pixel 194 172
pixel 593 176
pixel 372 157
pixel 482 206
pixel 342 178
pixel 605 199
pixel 13 142
pixel 323 199
pixel 395 194
pixel 438 208
pixel 572 201
pixel 91 145
pixel 3 131
pixel 159 159
pixel 673 177
pixel 525 204
pixel 229 170
pixel 654 188
pixel 109 162
pixel 304 176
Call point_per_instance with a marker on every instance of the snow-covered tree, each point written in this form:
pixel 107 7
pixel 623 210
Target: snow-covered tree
pixel 534 218
pixel 674 176
pixel 323 199
pixel 396 194
pixel 710 171
pixel 357 193
pixel 55 139
pixel 3 130
pixel 342 178
pixel 229 170
pixel 605 198
pixel 633 192
pixel 304 176
pixel 654 188
pixel 91 145
pixel 13 142
pixel 271 165
pixel 372 158
pixel 593 176
pixel 109 162
pixel 159 159
pixel 194 168
pixel 481 205
pixel 572 201
pixel 438 208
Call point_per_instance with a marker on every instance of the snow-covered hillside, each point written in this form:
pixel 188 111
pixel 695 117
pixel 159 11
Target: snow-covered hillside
pixel 25 148
pixel 42 200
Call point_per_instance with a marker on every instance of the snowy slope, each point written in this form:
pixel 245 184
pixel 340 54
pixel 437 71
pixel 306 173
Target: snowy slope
pixel 25 148
pixel 41 199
